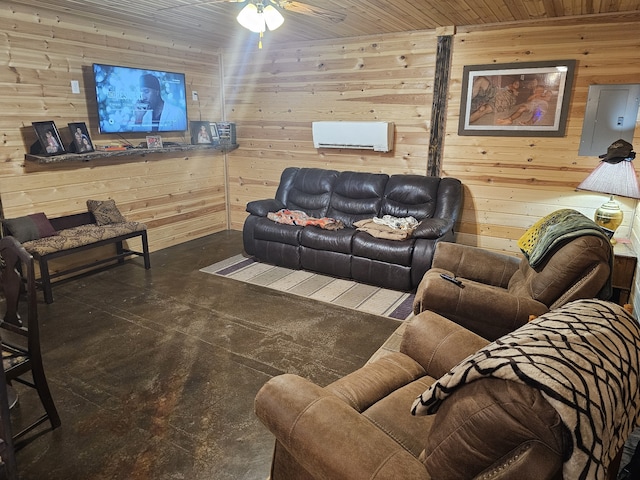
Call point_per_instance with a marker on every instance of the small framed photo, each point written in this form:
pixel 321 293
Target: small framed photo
pixel 81 141
pixel 48 137
pixel 201 133
pixel 215 133
pixel 154 141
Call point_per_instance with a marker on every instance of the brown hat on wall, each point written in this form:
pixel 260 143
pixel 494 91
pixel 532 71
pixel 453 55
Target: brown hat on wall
pixel 617 151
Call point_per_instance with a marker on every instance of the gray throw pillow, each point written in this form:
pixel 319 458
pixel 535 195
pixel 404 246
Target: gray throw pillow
pixel 29 227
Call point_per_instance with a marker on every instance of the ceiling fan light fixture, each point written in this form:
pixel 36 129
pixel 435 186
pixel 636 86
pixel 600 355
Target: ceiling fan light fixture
pixel 272 17
pixel 257 17
pixel 250 19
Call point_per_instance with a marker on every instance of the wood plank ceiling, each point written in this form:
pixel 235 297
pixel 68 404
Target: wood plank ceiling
pixel 211 23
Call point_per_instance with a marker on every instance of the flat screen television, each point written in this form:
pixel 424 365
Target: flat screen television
pixel 139 100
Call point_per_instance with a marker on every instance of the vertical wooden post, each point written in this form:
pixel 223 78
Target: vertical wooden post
pixel 439 106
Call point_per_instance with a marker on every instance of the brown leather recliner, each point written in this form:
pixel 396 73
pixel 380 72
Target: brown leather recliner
pixel 361 427
pixel 498 293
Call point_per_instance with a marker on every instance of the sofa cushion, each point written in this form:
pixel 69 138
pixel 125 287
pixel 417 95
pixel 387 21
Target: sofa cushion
pixel 398 252
pixel 335 241
pixel 410 196
pixel 29 227
pixel 357 196
pixel 310 191
pixel 80 236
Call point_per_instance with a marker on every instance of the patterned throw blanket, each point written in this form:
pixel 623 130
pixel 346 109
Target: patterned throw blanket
pixel 297 217
pixel 584 359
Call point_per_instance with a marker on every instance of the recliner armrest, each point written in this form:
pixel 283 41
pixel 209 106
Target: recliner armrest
pixel 432 228
pixel 484 266
pixel 487 310
pixel 376 380
pixel 262 207
pixel 326 435
pixel 437 343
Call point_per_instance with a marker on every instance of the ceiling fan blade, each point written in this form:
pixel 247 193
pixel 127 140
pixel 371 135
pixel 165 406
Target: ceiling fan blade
pixel 307 9
pixel 202 2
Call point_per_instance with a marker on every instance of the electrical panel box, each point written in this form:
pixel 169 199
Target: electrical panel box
pixel 610 114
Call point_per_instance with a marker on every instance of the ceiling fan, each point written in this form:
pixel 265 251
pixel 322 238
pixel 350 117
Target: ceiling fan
pixel 258 15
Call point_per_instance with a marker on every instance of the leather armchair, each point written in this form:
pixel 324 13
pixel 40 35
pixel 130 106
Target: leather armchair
pixel 498 292
pixel 360 427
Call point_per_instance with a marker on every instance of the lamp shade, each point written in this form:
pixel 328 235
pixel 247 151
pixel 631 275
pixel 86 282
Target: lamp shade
pixel 613 179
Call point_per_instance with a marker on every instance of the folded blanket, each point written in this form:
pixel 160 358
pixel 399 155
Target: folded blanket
pixel 397 223
pixel 555 228
pixel 300 218
pixel 547 232
pixel 389 227
pixel 583 357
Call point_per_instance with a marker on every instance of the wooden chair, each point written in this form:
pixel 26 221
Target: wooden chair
pixel 21 342
pixel 8 466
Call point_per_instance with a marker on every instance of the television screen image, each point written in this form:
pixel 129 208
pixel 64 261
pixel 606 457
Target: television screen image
pixel 139 100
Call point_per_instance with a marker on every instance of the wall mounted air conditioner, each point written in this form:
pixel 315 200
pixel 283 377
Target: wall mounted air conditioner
pixel 376 136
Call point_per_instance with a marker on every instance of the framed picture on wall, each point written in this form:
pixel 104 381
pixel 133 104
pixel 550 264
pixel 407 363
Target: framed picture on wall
pixel 201 133
pixel 528 99
pixel 48 137
pixel 81 141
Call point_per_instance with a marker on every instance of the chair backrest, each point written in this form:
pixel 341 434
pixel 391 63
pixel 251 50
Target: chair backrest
pixel 18 264
pixel 21 337
pixel 578 268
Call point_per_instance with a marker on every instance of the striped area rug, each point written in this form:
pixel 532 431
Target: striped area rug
pixel 337 291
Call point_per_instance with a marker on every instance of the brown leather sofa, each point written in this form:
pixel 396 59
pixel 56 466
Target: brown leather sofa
pixel 498 293
pixel 360 427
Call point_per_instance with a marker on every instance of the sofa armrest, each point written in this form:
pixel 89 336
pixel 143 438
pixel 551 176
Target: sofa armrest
pixel 262 207
pixel 327 437
pixel 438 344
pixel 484 266
pixel 432 228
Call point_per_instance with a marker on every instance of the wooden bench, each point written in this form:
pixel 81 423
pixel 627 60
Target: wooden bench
pixel 77 233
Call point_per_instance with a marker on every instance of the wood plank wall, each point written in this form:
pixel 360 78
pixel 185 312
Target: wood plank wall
pixel 179 196
pixel 273 95
pixel 510 182
pixel 276 93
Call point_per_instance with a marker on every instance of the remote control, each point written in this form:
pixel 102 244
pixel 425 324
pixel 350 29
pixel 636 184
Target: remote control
pixel 451 279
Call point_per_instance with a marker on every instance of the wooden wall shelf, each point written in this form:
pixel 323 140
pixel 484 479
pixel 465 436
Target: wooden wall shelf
pixel 131 152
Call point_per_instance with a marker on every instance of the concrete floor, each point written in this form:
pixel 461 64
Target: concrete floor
pixel 154 371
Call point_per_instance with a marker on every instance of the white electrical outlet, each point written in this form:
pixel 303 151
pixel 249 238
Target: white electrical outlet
pixel 194 96
pixel 75 86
